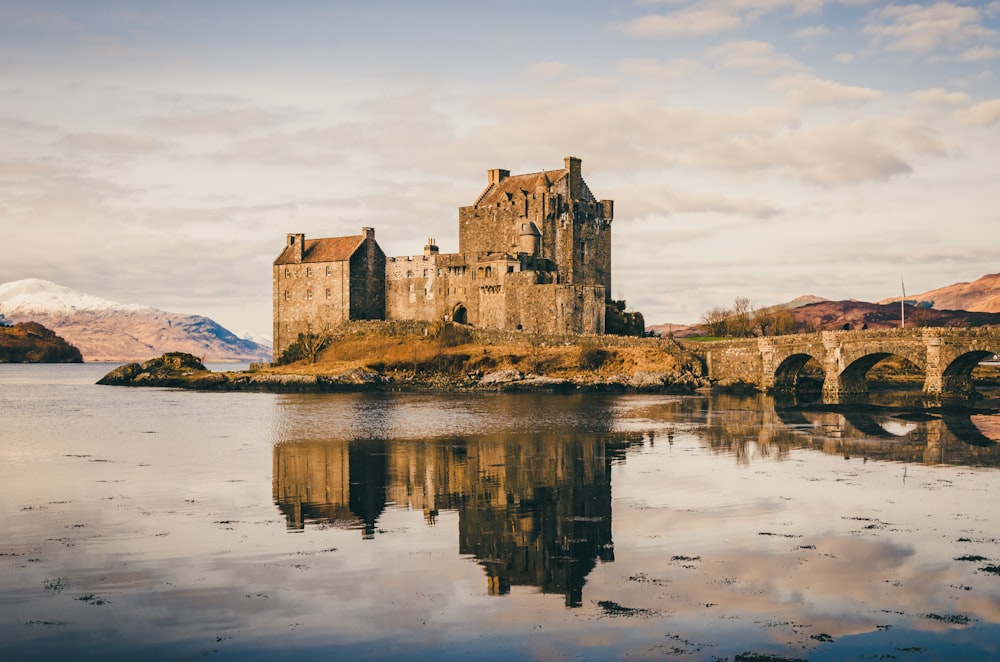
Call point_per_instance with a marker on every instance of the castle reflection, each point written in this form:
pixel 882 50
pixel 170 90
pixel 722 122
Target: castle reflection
pixel 533 497
pixel 534 508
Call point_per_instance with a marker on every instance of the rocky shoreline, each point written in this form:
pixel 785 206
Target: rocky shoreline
pixel 180 370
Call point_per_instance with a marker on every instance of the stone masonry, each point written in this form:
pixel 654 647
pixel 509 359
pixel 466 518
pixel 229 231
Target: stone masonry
pixel 946 355
pixel 534 255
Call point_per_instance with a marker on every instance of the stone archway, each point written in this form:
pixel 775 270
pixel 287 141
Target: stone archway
pixel 789 376
pixel 460 315
pixel 956 378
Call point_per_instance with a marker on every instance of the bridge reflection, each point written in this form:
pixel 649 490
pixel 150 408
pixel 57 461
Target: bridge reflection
pixel 534 503
pixel 757 424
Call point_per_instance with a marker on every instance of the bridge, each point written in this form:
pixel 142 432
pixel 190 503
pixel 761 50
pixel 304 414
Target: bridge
pixel 947 357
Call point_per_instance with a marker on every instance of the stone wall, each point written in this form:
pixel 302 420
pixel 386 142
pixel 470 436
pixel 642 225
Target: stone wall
pixel 414 291
pixel 309 298
pixel 368 281
pixel 315 297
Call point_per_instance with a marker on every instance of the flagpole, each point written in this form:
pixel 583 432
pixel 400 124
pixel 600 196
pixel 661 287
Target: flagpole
pixel 902 311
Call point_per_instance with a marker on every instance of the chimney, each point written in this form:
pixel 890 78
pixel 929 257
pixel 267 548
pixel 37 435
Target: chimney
pixel 369 233
pixel 497 175
pixel 297 242
pixel 431 247
pixel 575 179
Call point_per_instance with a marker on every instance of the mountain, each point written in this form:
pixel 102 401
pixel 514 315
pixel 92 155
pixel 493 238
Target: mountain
pixel 982 295
pixel 835 315
pixel 104 330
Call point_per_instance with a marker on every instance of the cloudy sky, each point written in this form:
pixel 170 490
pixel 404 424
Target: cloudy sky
pixel 158 152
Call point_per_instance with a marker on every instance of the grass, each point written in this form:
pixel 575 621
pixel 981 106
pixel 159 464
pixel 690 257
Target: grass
pixel 456 351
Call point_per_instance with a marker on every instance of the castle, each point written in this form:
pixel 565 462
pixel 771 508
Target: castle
pixel 534 255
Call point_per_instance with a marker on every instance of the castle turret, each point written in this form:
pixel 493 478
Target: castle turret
pixel 431 247
pixel 530 239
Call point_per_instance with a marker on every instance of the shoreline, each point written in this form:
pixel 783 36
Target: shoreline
pixel 176 370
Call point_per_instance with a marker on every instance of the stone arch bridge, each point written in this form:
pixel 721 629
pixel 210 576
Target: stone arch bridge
pixel 947 357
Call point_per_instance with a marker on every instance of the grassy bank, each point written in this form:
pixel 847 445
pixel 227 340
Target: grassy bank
pixel 456 351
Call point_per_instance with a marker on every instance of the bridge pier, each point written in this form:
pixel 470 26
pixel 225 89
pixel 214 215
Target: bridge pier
pixel 948 381
pixel 946 356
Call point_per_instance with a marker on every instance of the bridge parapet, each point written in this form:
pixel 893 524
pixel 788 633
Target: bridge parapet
pixel 946 355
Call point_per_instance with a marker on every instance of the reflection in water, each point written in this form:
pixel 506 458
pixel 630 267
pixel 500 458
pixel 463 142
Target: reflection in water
pixel 534 508
pixel 745 534
pixel 533 511
pixel 758 424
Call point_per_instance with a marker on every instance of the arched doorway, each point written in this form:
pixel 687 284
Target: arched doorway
pixel 460 315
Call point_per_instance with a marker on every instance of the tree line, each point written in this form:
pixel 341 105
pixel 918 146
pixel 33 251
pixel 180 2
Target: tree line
pixel 743 320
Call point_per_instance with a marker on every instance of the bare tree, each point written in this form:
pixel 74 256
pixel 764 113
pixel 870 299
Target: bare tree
pixel 715 320
pixel 739 323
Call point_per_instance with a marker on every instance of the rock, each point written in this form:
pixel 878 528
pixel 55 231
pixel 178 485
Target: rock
pixel 539 383
pixel 123 374
pixel 501 377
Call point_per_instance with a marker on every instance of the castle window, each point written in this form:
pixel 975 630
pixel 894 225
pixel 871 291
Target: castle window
pixel 309 294
pixel 328 270
pixel 328 290
pixel 510 268
pixel 425 273
pixel 480 272
pixel 309 272
pixel 489 271
pixel 583 252
pixel 288 272
pixel 409 274
pixel 287 295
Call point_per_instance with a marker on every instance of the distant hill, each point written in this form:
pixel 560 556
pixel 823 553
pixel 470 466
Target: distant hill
pixel 962 304
pixel 982 295
pixel 107 331
pixel 834 315
pixel 29 342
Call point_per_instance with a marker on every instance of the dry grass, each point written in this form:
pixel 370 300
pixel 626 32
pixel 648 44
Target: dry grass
pixel 443 353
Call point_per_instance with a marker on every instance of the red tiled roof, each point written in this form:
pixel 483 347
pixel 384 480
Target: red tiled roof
pixel 517 183
pixel 331 249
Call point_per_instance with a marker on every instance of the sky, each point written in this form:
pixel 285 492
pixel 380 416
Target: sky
pixel 159 152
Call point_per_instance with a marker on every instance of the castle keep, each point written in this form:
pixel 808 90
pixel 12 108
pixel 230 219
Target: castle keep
pixel 534 254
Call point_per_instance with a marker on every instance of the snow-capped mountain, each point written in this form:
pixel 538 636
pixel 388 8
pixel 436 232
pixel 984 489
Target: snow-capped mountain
pixel 108 331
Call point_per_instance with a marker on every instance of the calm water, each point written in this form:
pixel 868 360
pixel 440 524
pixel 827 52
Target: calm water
pixel 170 525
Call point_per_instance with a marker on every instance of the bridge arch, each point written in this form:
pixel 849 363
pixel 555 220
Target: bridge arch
pixel 788 375
pixel 956 377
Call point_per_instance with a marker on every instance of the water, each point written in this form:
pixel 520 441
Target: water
pixel 161 524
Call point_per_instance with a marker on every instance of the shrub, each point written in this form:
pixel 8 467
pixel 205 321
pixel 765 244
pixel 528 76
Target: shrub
pixel 592 358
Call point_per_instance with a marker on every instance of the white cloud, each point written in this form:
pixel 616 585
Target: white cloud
pixel 676 69
pixel 986 113
pixel 546 71
pixel 845 58
pixel 686 22
pixel 813 32
pixel 116 144
pixel 920 29
pixel 939 96
pixel 756 57
pixel 805 90
pixel 979 54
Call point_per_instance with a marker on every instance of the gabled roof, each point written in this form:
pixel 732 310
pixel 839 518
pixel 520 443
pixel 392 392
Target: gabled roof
pixel 332 249
pixel 502 190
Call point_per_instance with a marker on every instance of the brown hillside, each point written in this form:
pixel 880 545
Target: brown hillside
pixel 982 295
pixel 834 315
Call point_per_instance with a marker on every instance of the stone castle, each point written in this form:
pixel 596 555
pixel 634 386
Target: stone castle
pixel 534 255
